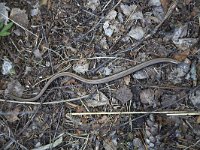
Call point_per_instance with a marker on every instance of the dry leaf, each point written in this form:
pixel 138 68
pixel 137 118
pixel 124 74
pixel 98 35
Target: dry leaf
pixel 4 13
pixel 198 119
pixel 34 12
pixel 104 119
pixel 37 53
pixel 158 12
pixel 81 66
pixel 154 3
pixel 195 97
pixel 93 4
pixel 120 17
pixel 127 10
pixel 127 79
pixel 109 145
pixel 180 31
pixel 111 15
pixel 180 71
pixel 43 2
pixel 185 43
pixel 124 94
pixel 99 99
pixel 165 4
pixel 15 88
pixel 182 56
pixel 110 28
pixel 137 33
pixel 104 43
pixel 137 15
pixel 107 71
pixel 19 16
pixel 147 96
pixel 141 74
pixel 131 13
pixel 108 31
pixel 13 116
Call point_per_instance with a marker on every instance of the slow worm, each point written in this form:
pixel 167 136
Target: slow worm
pixel 98 81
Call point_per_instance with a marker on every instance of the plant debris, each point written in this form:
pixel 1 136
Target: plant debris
pixel 19 16
pixel 153 108
pixel 4 13
pixel 124 94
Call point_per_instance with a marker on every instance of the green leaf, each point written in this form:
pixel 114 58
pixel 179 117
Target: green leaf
pixel 7 27
pixel 1 25
pixel 4 33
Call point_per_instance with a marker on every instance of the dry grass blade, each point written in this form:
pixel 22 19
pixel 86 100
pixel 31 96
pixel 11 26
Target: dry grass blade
pixel 135 112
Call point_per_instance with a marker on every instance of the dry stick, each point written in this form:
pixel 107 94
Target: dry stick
pixel 49 52
pixel 195 113
pixel 18 113
pixel 90 29
pixel 40 104
pixel 27 123
pixel 20 25
pixel 101 19
pixel 161 87
pixel 10 136
pixel 192 145
pixel 169 113
pixel 11 141
pixel 192 91
pixel 59 120
pixel 47 78
pixel 5 147
pixel 145 113
pixel 32 117
pixel 96 23
pixel 46 103
pixel 116 4
pixel 169 12
pixel 106 5
pixel 130 113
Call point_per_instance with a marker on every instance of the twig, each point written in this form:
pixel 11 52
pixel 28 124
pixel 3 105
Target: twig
pixel 168 14
pixel 133 113
pixel 162 87
pixel 192 145
pixel 80 38
pixel 100 20
pixel 51 145
pixel 47 44
pixel 85 143
pixel 12 141
pixel 172 103
pixel 54 52
pixel 31 119
pixel 17 113
pixel 20 25
pixel 195 113
pixel 47 78
pixel 106 5
pixel 117 4
pixel 46 103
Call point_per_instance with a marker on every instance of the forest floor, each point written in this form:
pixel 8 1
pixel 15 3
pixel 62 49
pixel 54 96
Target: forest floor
pixel 153 108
